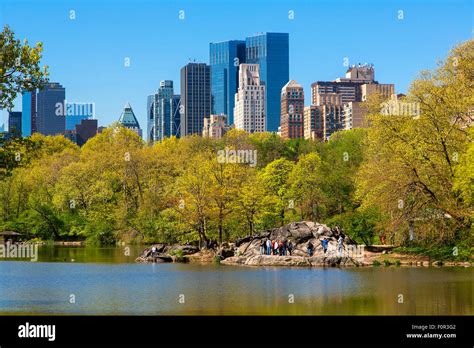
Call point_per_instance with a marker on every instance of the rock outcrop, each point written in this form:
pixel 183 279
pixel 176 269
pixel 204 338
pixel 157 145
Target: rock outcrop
pixel 246 251
pixel 300 234
pixel 167 253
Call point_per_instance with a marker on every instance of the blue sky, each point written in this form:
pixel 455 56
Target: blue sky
pixel 87 54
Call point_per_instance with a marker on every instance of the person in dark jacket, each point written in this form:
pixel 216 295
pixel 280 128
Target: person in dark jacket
pixel 290 247
pixel 310 249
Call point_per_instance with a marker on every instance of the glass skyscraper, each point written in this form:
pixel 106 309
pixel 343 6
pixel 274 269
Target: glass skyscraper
pixel 164 112
pixel 176 116
pixel 28 113
pixel 129 120
pixel 14 123
pixel 224 59
pixel 271 52
pixel 149 118
pixel 195 97
pixel 50 114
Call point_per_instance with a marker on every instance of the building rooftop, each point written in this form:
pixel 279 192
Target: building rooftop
pixel 127 118
pixel 291 83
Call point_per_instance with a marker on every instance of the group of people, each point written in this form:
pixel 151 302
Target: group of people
pixel 276 247
pixel 284 247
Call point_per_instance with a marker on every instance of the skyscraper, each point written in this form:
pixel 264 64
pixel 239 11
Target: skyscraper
pixel 292 110
pixel 224 60
pixel 164 117
pixel 195 97
pixel 176 116
pixel 249 109
pixel 271 52
pixel 128 119
pixel 51 118
pixel 149 118
pixel 14 123
pixel 349 95
pixel 28 113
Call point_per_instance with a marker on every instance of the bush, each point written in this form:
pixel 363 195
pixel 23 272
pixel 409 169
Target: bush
pixel 462 251
pixel 376 263
pixel 100 234
pixel 386 263
pixel 178 254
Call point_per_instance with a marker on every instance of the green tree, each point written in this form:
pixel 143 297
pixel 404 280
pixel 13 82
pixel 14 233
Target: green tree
pixel 410 166
pixel 275 177
pixel 19 67
pixel 305 186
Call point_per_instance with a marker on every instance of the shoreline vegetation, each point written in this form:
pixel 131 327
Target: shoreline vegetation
pixel 403 180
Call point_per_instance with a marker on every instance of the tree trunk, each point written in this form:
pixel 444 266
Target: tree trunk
pixel 411 230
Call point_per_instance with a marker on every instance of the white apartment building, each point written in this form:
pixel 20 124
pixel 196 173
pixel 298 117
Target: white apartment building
pixel 249 109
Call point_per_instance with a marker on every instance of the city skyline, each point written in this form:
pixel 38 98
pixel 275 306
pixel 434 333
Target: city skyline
pixel 103 79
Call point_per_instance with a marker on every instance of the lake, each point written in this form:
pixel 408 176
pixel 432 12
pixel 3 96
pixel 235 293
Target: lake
pixel 107 281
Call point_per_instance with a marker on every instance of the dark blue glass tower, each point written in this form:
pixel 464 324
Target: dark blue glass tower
pixel 224 59
pixel 271 52
pixel 14 123
pixel 50 115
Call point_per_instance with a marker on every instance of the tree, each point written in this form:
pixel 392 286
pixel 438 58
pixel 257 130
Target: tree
pixel 464 174
pixel 410 166
pixel 194 192
pixel 305 186
pixel 341 158
pixel 275 179
pixel 19 67
pixel 225 180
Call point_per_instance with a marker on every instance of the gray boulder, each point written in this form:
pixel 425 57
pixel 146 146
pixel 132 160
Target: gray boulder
pixel 300 234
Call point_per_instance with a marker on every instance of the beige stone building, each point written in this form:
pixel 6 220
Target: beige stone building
pixel 249 109
pixel 215 126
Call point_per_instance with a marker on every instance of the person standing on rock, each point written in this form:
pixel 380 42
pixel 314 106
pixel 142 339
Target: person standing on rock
pixel 285 247
pixel 153 251
pixel 280 248
pixel 269 246
pixel 262 246
pixel 275 247
pixel 339 244
pixel 290 247
pixel 310 249
pixel 324 242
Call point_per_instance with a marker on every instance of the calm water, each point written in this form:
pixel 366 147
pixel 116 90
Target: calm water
pixel 110 283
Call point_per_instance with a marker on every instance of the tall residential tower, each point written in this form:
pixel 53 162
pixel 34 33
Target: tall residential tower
pixel 249 110
pixel 292 110
pixel 195 97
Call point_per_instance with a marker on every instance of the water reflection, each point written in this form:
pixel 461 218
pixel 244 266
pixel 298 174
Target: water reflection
pixel 155 289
